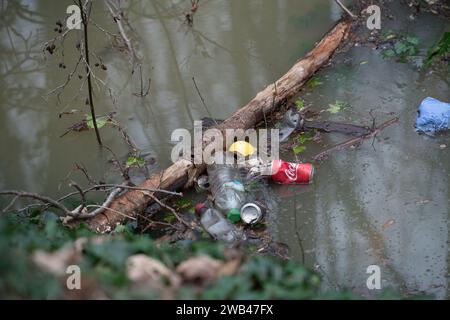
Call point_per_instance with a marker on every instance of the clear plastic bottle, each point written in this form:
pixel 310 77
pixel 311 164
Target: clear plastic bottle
pixel 227 188
pixel 217 225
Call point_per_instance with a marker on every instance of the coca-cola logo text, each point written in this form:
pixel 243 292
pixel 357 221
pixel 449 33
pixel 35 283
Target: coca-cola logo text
pixel 291 171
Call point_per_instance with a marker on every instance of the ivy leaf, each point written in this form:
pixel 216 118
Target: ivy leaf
pixel 388 53
pixel 300 103
pixel 336 107
pixel 101 122
pixel 298 149
pixel 400 47
pixel 135 161
pixel 413 40
pixel 169 218
pixel 184 203
pixel 314 82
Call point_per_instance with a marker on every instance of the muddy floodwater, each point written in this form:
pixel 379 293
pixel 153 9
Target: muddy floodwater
pixel 384 204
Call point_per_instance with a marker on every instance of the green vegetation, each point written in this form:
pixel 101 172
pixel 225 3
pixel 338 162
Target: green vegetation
pixel 314 82
pixel 302 139
pixel 134 161
pixel 300 104
pixel 101 122
pixel 337 106
pixel 403 48
pixel 440 51
pixel 103 264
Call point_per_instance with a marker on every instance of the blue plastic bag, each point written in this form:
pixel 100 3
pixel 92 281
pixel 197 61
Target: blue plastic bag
pixel 433 116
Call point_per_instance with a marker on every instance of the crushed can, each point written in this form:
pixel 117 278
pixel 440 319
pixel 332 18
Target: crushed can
pixel 291 173
pixel 252 212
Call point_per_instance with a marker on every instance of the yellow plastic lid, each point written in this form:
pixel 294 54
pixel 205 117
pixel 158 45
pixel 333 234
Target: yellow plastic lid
pixel 243 147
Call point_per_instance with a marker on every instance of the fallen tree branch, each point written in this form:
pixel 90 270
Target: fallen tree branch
pixel 46 200
pixel 101 208
pixel 183 172
pixel 322 155
pixel 80 212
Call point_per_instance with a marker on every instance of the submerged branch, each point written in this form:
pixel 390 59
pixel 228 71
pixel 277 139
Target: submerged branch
pixel 322 155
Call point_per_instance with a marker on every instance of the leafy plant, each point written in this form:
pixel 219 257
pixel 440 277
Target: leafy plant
pixel 134 161
pixel 403 48
pixel 440 50
pixel 314 82
pixel 337 106
pixel 302 139
pixel 298 149
pixel 300 104
pixel 104 263
pixel 101 122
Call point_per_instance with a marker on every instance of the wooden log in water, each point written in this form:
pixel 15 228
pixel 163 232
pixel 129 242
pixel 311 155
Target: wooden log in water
pixel 265 102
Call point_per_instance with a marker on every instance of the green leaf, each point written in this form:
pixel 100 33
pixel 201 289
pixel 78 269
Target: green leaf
pixel 184 203
pixel 300 103
pixel 413 40
pixel 337 106
pixel 169 218
pixel 135 161
pixel 314 82
pixel 388 53
pixel 298 149
pixel 400 47
pixel 440 49
pixel 101 122
pixel 305 137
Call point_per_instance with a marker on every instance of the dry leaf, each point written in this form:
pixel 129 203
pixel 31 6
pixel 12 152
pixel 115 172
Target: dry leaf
pixel 229 267
pixel 146 271
pixel 201 269
pixel 388 223
pixel 58 261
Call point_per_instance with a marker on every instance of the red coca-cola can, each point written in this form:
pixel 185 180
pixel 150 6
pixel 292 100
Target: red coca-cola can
pixel 292 173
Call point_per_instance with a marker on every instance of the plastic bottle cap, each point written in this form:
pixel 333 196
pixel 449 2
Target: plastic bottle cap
pixel 242 147
pixel 198 207
pixel 234 215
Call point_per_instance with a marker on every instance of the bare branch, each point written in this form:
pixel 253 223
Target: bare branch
pixel 103 207
pixel 174 212
pixel 343 7
pixel 353 141
pixel 10 204
pixel 44 199
pixel 83 198
pixel 117 17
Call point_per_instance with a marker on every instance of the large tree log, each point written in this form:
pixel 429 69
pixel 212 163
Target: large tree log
pixel 265 102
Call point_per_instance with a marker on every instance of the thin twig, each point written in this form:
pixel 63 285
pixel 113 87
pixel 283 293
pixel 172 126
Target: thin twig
pixel 11 204
pixel 117 17
pixel 86 57
pixel 203 100
pixel 83 169
pixel 142 94
pixel 122 170
pixel 140 189
pixel 345 9
pixel 174 212
pixel 355 140
pixel 47 200
pixel 103 207
pixel 80 191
